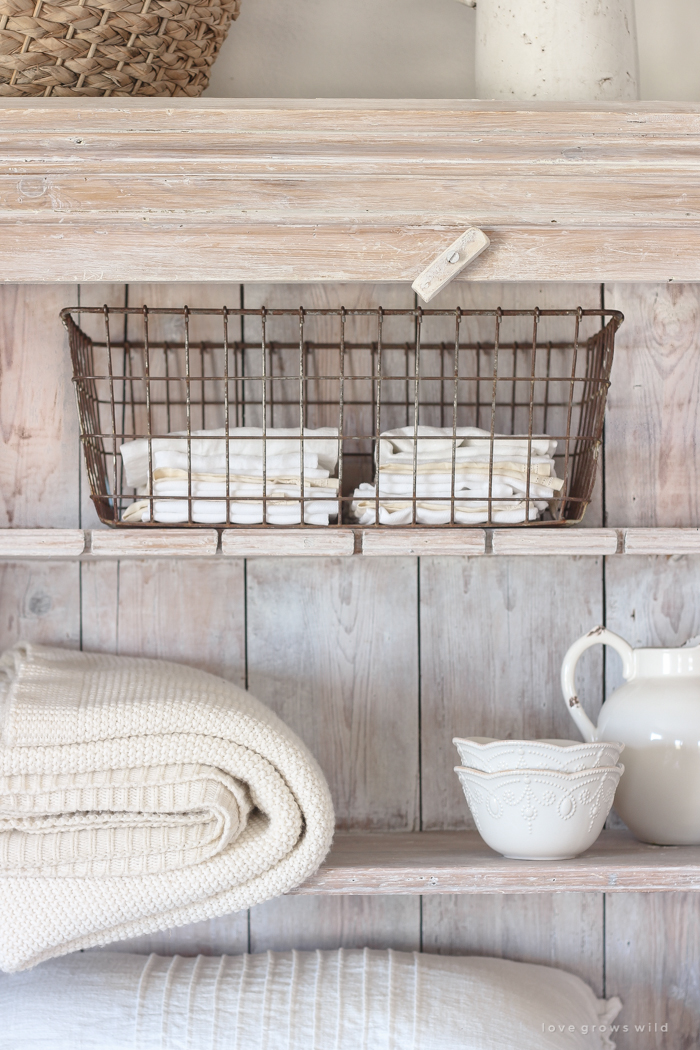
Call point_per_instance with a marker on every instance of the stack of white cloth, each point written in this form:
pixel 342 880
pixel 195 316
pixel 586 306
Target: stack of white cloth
pixel 138 794
pixel 205 474
pixel 479 473
pixel 324 1000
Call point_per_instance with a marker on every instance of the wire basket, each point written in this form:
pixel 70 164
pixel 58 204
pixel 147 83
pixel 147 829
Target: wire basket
pixel 504 378
pixel 155 47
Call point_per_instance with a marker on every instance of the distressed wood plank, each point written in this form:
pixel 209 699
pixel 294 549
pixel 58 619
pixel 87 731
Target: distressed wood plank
pixel 154 543
pixel 41 543
pixel 262 253
pixel 652 418
pixel 651 601
pixel 346 190
pixel 336 922
pixel 39 432
pixel 553 929
pixel 652 963
pixel 333 649
pixel 662 541
pixel 435 862
pixel 423 541
pixel 493 634
pixel 555 541
pixel 250 543
pixel 227 935
pixel 40 603
pixel 189 611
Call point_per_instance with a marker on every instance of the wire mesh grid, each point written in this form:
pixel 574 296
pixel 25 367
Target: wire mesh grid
pixel 149 379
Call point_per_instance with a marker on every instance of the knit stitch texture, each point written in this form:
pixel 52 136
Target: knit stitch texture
pixel 136 795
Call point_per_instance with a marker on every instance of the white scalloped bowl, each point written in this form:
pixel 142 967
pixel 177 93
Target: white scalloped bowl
pixel 540 814
pixel 567 756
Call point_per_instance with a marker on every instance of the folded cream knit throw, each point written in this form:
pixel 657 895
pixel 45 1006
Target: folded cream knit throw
pixel 137 794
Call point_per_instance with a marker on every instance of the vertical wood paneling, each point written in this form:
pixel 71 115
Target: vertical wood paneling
pixel 227 935
pixel 553 929
pixel 333 650
pixel 336 922
pixel 493 634
pixel 652 431
pixel 653 417
pixel 337 658
pixel 652 953
pixel 40 602
pixel 190 611
pixel 38 420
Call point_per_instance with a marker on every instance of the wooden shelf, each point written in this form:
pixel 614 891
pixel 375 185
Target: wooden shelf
pixel 346 190
pixel 340 543
pixel 460 862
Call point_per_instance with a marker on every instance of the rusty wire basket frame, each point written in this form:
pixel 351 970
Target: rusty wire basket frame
pixel 110 398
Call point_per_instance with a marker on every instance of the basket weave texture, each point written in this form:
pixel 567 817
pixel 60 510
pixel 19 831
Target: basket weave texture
pixel 110 47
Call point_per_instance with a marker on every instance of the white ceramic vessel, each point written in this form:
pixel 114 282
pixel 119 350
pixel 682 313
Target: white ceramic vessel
pixel 537 814
pixel 557 50
pixel 569 756
pixel 657 716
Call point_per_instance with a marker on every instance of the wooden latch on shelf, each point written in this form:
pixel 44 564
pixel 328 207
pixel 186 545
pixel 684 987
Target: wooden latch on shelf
pixel 449 263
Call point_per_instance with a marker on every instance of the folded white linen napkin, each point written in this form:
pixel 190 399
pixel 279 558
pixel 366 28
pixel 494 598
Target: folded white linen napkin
pixel 176 483
pixel 244 442
pixel 470 511
pixel 136 795
pixel 507 479
pixel 290 463
pixel 283 506
pixel 326 1000
pixel 504 469
pixel 205 512
pixel 439 440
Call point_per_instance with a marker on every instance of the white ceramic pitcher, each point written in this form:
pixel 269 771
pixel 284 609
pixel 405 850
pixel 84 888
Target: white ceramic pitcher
pixel 656 714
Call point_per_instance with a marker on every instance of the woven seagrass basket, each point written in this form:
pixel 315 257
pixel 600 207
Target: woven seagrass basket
pixel 110 47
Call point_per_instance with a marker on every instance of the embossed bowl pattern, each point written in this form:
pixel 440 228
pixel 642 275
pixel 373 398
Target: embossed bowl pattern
pixel 568 756
pixel 535 814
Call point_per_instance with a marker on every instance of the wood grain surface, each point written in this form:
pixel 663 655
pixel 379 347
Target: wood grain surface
pixel 154 543
pixel 39 425
pixel 41 543
pixel 653 418
pixel 338 661
pixel 652 963
pixel 40 602
pixel 190 611
pixel 491 650
pixel 438 862
pixel 261 190
pixel 551 929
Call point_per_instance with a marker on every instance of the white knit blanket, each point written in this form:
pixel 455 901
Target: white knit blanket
pixel 332 1000
pixel 136 795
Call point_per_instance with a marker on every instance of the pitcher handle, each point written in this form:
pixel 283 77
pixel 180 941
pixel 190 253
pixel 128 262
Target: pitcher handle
pixel 599 635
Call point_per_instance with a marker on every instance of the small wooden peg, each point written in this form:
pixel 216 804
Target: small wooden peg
pixel 449 263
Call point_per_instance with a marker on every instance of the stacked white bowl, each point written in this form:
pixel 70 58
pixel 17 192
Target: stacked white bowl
pixel 538 799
